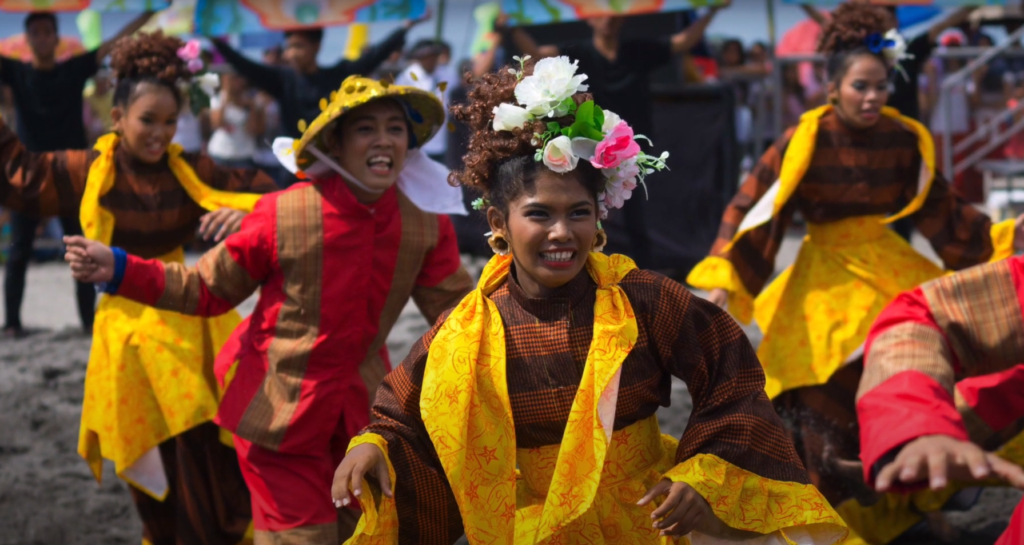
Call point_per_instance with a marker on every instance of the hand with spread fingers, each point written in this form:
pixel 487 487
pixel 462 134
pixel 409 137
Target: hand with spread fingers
pixel 90 261
pixel 359 461
pixel 217 225
pixel 939 459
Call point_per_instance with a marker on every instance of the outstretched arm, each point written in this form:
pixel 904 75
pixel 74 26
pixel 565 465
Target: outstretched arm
pixel 223 278
pixel 916 357
pixel 693 34
pixel 258 75
pixel 523 41
pixel 128 30
pixel 375 55
pixel 956 18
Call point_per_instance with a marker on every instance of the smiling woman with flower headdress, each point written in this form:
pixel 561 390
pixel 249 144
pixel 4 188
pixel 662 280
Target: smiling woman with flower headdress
pixel 849 168
pixel 527 414
pixel 149 390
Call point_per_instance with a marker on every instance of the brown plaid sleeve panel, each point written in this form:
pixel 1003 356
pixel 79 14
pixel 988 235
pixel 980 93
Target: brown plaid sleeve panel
pixel 426 506
pixel 45 184
pixel 753 256
pixel 698 342
pixel 959 232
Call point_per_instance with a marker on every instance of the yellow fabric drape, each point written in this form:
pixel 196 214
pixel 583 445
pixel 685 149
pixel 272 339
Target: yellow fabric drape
pixel 150 371
pixel 465 408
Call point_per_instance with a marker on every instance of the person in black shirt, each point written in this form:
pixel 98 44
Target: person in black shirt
pixel 619 78
pixel 299 87
pixel 48 102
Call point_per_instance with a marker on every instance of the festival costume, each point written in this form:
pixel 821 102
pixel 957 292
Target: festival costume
pixel 944 359
pixel 563 386
pixel 519 420
pixel 847 184
pixel 148 387
pixel 334 274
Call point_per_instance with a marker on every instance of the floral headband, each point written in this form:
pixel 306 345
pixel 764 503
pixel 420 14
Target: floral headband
pixel 598 136
pixel 891 46
pixel 204 83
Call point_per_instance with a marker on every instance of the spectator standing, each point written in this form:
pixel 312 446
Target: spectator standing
pixel 49 106
pixel 237 120
pixel 619 78
pixel 425 73
pixel 299 87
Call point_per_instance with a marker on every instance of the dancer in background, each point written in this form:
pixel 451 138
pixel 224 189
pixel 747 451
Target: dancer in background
pixel 528 412
pixel 48 101
pixel 847 167
pixel 149 390
pixel 943 384
pixel 335 261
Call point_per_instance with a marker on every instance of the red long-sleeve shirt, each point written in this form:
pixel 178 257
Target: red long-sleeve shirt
pixel 334 275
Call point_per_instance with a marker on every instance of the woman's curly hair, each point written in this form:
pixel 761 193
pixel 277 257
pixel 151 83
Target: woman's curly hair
pixel 499 164
pixel 844 36
pixel 150 58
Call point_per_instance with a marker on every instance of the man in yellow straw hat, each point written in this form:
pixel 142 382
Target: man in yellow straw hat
pixel 336 260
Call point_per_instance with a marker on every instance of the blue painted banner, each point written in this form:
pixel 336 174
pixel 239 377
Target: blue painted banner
pixel 220 17
pixel 537 12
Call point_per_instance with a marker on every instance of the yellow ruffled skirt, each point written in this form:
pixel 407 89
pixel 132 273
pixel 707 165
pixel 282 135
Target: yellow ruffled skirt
pixel 639 456
pixel 816 315
pixel 150 378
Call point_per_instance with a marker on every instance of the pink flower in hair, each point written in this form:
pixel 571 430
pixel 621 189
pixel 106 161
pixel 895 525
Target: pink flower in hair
pixel 617 146
pixel 195 65
pixel 190 51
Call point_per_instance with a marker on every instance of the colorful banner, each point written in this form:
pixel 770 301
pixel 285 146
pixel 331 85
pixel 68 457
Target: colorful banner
pixel 940 3
pixel 123 6
pixel 220 17
pixel 538 12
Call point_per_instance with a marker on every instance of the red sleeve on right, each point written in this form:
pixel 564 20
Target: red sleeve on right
pixel 910 306
pixel 998 398
pixel 907 406
pixel 144 280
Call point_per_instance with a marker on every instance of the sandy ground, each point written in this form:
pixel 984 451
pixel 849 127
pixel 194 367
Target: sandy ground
pixel 47 494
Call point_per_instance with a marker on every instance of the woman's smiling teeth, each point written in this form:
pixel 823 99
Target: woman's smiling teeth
pixel 558 257
pixel 380 165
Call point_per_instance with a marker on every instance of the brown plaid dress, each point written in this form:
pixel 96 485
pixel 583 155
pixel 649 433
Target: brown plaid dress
pixel 546 348
pixel 208 503
pixel 853 173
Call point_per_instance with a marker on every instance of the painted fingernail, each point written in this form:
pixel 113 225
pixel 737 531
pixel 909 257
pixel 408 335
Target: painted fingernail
pixel 337 503
pixel 344 502
pixel 938 482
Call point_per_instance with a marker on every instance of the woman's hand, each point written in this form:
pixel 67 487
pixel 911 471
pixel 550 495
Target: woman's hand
pixel 353 469
pixel 220 223
pixel 90 261
pixel 719 297
pixel 682 512
pixel 940 458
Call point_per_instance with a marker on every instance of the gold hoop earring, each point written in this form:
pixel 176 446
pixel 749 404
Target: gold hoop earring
pixel 600 241
pixel 498 244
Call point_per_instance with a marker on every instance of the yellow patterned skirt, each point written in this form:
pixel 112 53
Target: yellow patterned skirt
pixel 816 315
pixel 150 378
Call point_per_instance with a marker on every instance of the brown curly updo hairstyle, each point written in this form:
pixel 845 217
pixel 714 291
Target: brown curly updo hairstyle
pixel 147 58
pixel 501 165
pixel 844 37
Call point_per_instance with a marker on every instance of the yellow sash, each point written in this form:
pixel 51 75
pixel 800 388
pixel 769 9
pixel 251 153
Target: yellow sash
pixel 98 223
pixel 798 157
pixel 150 371
pixel 467 413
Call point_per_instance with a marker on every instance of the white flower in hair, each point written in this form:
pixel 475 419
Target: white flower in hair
pixel 554 80
pixel 508 117
pixel 895 48
pixel 558 155
pixel 208 83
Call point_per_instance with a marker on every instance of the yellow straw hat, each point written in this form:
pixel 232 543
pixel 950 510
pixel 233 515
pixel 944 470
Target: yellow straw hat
pixel 423 109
